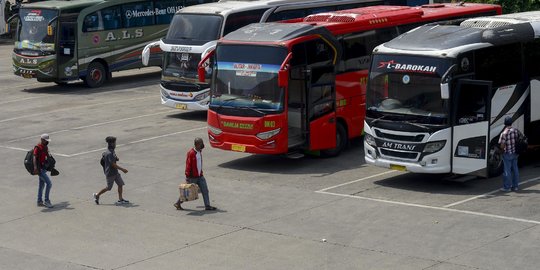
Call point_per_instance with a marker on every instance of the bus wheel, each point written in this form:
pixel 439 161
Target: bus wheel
pixel 341 142
pixel 495 161
pixel 96 75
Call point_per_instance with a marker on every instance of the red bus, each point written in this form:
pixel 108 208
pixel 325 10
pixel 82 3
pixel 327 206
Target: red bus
pixel 281 88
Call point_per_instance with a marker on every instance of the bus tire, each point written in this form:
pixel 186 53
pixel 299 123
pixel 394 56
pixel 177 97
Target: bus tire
pixel 495 160
pixel 96 75
pixel 341 142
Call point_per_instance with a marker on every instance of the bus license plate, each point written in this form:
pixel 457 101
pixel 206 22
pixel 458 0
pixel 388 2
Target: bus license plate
pixel 238 148
pixel 181 106
pixel 398 167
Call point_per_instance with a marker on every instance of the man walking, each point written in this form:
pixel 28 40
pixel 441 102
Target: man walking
pixel 194 173
pixel 41 153
pixel 507 141
pixel 110 168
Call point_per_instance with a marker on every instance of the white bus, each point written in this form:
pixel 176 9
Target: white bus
pixel 437 95
pixel 194 30
pixel 3 25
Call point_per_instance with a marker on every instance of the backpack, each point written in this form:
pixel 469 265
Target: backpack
pixel 522 143
pixel 102 160
pixel 29 161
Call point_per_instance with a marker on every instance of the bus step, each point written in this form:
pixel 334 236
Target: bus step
pixel 295 155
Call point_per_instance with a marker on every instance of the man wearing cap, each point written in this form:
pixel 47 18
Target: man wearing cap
pixel 110 168
pixel 507 141
pixel 41 152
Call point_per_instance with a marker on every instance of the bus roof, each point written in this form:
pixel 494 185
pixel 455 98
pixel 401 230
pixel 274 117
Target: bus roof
pixel 224 7
pixel 358 19
pixel 451 40
pixel 62 4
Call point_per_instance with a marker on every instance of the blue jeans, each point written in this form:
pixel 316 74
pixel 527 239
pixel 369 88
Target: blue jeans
pixel 44 180
pixel 201 182
pixel 511 172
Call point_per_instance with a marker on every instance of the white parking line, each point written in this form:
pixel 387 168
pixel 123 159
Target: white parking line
pixel 74 108
pixel 434 208
pixel 119 145
pixel 486 194
pixel 357 180
pixel 139 141
pixel 92 125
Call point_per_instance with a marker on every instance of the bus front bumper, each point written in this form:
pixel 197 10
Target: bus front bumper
pixel 426 165
pixel 247 143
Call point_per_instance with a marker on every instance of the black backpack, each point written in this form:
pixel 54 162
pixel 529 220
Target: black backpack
pixel 29 161
pixel 102 160
pixel 522 143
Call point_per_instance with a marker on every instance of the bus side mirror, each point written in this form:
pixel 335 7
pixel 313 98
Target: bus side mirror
pixel 145 55
pixel 283 73
pixel 283 78
pixel 201 68
pixel 445 91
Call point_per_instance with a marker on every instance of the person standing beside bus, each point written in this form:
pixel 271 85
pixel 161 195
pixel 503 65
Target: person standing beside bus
pixel 507 141
pixel 194 174
pixel 41 153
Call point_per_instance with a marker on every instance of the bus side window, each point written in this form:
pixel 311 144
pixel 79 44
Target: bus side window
pixel 195 2
pixel 357 47
pixel 112 18
pixel 286 15
pixel 471 105
pixel 238 20
pixel 92 22
pixel 532 58
pixel 316 10
pixel 501 64
pixel 136 14
pixel 166 10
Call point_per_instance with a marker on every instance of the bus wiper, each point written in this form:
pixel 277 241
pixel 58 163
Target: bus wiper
pixel 416 125
pixel 377 120
pixel 255 110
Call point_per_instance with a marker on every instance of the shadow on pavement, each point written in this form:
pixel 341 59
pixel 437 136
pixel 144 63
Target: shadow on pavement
pixel 58 207
pixel 351 158
pixel 114 84
pixel 189 115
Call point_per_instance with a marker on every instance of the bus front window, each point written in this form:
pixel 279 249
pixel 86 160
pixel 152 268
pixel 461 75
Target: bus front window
pixel 407 88
pixel 246 79
pixel 33 30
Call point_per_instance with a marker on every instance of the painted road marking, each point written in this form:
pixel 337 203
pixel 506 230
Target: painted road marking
pixel 357 180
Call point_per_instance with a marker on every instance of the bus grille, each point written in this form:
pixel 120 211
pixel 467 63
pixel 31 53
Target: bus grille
pixel 395 137
pixel 397 154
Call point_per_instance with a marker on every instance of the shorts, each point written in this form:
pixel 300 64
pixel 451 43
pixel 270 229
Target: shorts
pixel 114 179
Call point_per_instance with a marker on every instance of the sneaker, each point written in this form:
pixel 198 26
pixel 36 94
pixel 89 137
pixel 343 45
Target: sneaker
pixel 40 204
pixel 96 198
pixel 122 201
pixel 505 189
pixel 210 208
pixel 515 189
pixel 48 204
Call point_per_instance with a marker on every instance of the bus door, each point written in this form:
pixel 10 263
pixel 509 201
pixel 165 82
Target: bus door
pixel 321 108
pixel 470 135
pixel 67 50
pixel 296 108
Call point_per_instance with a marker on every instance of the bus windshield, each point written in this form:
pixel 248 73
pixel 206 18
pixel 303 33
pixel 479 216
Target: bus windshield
pixel 32 32
pixel 407 88
pixel 194 27
pixel 246 78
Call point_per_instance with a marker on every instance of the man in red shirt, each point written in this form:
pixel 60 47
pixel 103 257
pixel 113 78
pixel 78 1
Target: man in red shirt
pixel 41 153
pixel 194 173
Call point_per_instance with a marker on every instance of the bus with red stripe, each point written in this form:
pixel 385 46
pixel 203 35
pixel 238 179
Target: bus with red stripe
pixel 283 88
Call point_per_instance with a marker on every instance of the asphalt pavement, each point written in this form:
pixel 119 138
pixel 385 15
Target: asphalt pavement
pixel 273 212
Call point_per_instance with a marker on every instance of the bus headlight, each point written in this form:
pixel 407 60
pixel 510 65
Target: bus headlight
pixel 370 140
pixel 214 130
pixel 268 134
pixel 433 147
pixel 202 96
